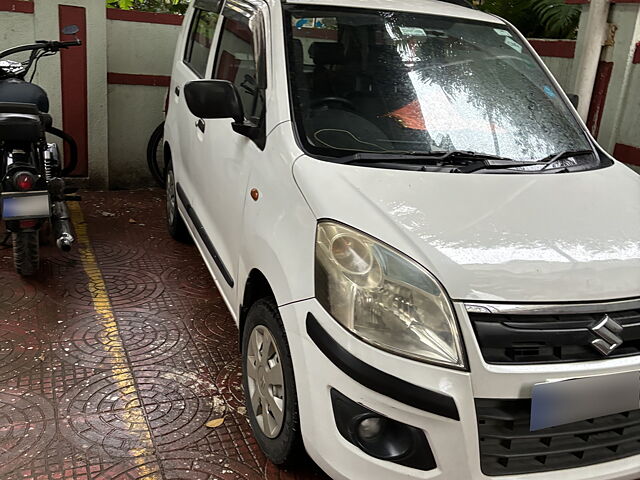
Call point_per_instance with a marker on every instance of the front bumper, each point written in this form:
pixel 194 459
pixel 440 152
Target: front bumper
pixel 454 443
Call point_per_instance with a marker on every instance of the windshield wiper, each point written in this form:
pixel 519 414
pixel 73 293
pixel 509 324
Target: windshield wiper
pixel 468 155
pixel 544 163
pixel 463 161
pixel 455 157
pixel 551 159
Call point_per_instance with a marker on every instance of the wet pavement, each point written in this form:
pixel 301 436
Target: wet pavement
pixel 115 356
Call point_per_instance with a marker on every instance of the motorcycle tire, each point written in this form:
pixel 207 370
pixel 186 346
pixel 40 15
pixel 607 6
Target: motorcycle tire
pixel 155 157
pixel 45 236
pixel 26 252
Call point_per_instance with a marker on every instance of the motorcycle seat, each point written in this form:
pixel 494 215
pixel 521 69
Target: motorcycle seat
pixel 15 107
pixel 19 115
pixel 26 108
pixel 20 127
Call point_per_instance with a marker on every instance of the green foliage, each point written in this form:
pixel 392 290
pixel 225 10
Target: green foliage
pixel 537 18
pixel 516 11
pixel 162 6
pixel 560 20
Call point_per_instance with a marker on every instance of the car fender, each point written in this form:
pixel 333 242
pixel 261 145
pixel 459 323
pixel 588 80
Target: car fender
pixel 279 228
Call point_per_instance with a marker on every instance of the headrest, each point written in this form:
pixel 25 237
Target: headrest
pixel 298 50
pixel 326 53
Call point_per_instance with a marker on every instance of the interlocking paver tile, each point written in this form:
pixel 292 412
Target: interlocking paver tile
pixel 147 337
pixel 21 442
pixel 123 391
pixel 119 434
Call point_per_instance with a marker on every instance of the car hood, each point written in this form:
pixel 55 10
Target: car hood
pixel 570 237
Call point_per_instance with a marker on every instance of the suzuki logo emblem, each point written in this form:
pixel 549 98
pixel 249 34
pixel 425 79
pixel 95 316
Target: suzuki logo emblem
pixel 608 332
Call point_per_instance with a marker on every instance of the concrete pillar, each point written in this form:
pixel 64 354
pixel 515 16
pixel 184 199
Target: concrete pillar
pixel 621 85
pixel 623 89
pixel 594 36
pixel 46 22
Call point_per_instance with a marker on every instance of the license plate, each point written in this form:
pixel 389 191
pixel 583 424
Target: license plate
pixel 27 205
pixel 568 401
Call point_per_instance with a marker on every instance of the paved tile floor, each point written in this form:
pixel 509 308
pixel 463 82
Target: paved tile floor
pixel 115 356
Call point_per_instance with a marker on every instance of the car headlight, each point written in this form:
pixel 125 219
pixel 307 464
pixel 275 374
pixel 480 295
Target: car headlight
pixel 383 297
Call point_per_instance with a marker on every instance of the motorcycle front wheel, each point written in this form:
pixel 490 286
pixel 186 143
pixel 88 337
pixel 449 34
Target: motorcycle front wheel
pixel 26 252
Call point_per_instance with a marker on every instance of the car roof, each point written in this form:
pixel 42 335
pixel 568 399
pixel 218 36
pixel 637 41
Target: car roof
pixel 433 7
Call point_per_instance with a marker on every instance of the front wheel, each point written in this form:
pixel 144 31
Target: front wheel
pixel 26 252
pixel 269 385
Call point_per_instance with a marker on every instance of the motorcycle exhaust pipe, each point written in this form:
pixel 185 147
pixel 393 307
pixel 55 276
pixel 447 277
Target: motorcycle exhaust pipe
pixel 62 226
pixel 64 242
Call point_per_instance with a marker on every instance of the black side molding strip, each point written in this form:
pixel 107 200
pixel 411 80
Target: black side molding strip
pixel 205 238
pixel 379 381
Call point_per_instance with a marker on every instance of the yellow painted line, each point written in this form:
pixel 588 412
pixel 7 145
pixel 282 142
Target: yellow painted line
pixel 113 340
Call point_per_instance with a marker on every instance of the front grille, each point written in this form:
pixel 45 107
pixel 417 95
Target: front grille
pixel 527 339
pixel 507 447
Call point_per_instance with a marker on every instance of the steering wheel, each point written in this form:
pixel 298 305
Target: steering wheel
pixel 341 100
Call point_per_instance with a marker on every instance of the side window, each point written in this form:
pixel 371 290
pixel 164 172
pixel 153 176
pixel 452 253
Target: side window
pixel 237 63
pixel 200 40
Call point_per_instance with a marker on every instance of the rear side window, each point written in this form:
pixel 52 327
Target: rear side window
pixel 201 32
pixel 237 64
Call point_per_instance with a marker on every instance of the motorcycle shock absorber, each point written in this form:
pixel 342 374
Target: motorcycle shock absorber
pixel 51 161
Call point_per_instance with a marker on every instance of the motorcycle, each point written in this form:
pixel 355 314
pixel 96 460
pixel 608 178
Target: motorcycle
pixel 32 190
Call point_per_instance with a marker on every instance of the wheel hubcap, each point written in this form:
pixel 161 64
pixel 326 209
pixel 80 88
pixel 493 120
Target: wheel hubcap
pixel 171 197
pixel 265 381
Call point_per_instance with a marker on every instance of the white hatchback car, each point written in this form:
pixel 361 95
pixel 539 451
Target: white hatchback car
pixel 434 268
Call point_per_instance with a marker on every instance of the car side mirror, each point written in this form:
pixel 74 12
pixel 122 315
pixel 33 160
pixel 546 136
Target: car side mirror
pixel 210 99
pixel 574 99
pixel 70 30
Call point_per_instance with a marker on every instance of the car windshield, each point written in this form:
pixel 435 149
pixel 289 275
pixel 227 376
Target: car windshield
pixel 404 83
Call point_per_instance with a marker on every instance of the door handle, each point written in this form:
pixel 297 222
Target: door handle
pixel 177 91
pixel 201 125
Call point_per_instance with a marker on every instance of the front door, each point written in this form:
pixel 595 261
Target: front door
pixel 194 64
pixel 222 157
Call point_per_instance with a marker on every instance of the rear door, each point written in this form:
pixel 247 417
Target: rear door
pixel 193 63
pixel 223 158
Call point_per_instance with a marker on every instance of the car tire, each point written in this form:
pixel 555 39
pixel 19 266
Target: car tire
pixel 281 444
pixel 175 224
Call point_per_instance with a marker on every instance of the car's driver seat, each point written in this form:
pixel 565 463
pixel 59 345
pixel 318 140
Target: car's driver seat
pixel 325 55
